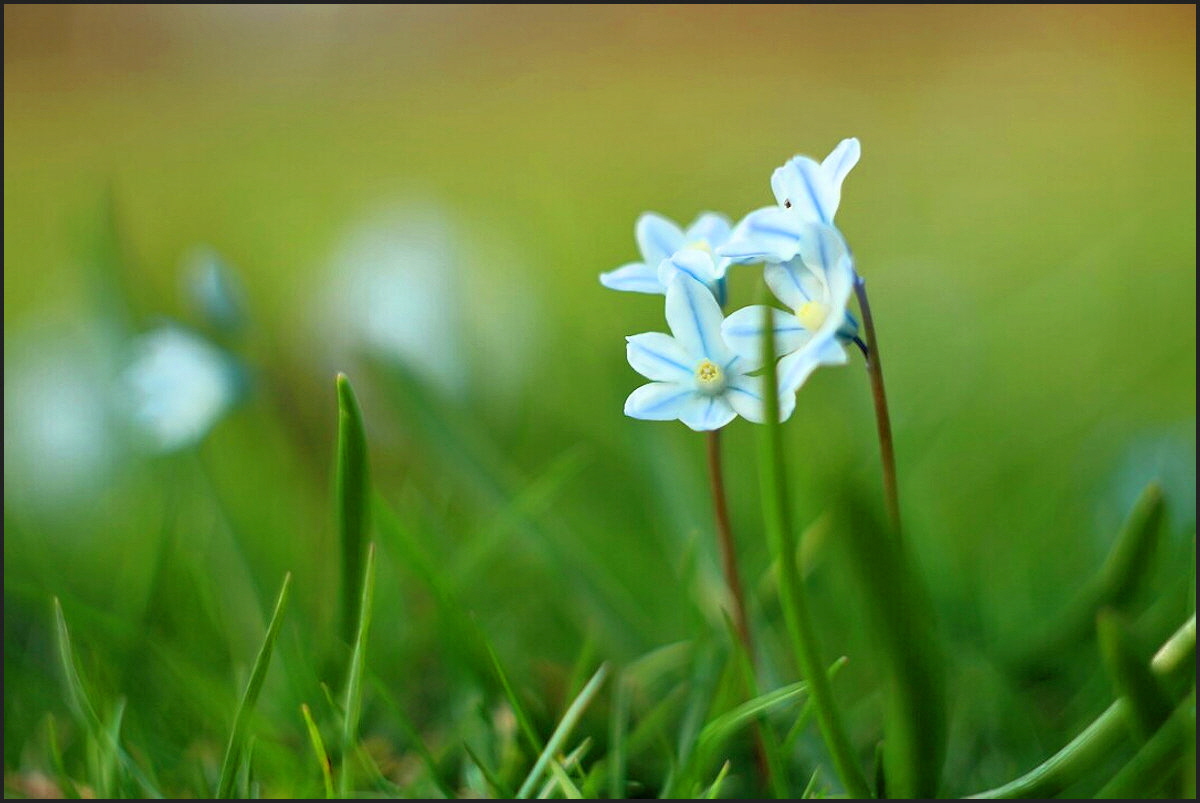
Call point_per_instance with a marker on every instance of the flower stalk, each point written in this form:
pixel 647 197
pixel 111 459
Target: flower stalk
pixel 729 563
pixel 887 453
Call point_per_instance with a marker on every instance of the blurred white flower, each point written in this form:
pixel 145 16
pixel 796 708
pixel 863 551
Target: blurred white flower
pixel 408 284
pixel 59 438
pixel 176 386
pixel 393 291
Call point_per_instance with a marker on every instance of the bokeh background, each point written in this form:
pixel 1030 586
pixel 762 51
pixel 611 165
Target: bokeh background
pixel 423 197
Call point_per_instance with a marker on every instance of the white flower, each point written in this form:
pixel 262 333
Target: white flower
pixel 697 377
pixel 177 385
pixel 659 239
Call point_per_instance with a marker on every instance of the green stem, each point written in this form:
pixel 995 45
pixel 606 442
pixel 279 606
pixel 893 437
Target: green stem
pixel 883 423
pixel 791 592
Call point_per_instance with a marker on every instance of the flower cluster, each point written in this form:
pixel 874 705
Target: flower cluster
pixel 703 372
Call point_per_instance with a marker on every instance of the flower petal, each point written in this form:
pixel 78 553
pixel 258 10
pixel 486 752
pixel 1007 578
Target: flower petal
pixel 695 319
pixel 743 332
pixel 795 368
pixel 659 401
pixel 636 277
pixel 804 189
pixel 657 356
pixel 840 161
pixel 710 227
pixel 691 262
pixel 770 234
pixel 793 283
pixel 745 395
pixel 657 238
pixel 702 412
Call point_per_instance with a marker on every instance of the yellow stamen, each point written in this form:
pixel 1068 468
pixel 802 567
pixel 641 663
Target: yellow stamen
pixel 710 377
pixel 812 314
pixel 701 245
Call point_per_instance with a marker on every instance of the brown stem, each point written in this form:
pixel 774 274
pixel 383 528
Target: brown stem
pixel 882 421
pixel 733 579
pixel 725 541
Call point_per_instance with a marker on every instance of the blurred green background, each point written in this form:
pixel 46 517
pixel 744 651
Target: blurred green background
pixel 423 198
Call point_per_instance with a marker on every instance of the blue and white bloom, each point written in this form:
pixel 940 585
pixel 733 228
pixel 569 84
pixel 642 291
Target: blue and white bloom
pixel 659 239
pixel 697 377
pixel 816 287
pixel 806 192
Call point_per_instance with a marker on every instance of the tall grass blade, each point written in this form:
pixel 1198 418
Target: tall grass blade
pixel 352 503
pixel 565 726
pixel 780 532
pixel 901 620
pixel 234 749
pixel 358 657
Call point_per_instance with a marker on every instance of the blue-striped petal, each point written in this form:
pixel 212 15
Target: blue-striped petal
pixel 659 401
pixel 745 395
pixel 657 238
pixel 770 234
pixel 691 262
pixel 793 283
pixel 710 227
pixel 743 331
pixel 795 368
pixel 801 187
pixel 636 277
pixel 702 412
pixel 840 161
pixel 695 319
pixel 660 357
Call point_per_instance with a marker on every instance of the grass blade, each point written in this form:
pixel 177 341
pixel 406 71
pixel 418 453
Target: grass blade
pixel 618 724
pixel 569 720
pixel 1155 761
pixel 729 722
pixel 715 789
pixel 1124 572
pixel 511 694
pixel 1131 675
pixel 234 750
pixel 353 508
pixel 318 744
pixel 65 784
pixel 85 712
pixel 801 633
pixel 354 678
pixel 497 785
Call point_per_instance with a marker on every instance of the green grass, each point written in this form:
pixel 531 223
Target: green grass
pixel 1025 214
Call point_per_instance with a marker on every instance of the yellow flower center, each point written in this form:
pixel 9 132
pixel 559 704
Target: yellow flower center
pixel 701 245
pixel 710 377
pixel 812 314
